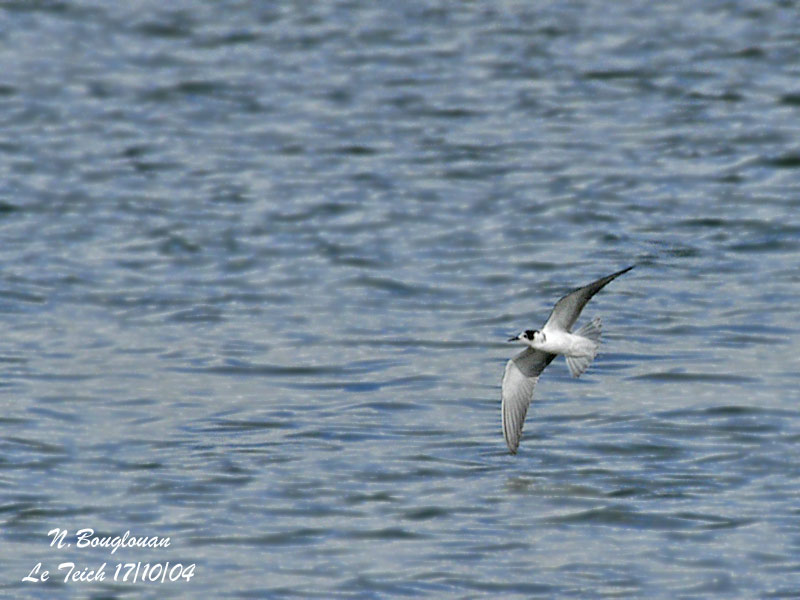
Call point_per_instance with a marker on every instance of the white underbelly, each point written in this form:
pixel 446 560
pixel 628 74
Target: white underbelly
pixel 568 344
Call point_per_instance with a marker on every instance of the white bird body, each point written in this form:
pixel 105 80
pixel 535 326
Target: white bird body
pixel 579 348
pixel 563 342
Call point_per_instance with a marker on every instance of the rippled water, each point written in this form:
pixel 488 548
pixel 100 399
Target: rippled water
pixel 259 261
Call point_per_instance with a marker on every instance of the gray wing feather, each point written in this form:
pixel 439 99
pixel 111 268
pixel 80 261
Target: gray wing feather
pixel 568 309
pixel 520 377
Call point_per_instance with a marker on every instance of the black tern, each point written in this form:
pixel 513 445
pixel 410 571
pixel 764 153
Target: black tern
pixel 579 348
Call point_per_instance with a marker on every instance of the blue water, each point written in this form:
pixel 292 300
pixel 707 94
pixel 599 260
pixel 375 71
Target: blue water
pixel 260 260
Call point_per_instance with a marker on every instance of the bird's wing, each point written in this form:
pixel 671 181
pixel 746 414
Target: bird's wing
pixel 568 309
pixel 520 377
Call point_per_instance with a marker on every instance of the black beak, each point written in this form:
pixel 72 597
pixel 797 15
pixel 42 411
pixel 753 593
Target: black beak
pixel 513 339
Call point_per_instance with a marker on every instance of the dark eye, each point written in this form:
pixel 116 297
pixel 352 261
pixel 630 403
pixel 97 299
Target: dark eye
pixel 529 334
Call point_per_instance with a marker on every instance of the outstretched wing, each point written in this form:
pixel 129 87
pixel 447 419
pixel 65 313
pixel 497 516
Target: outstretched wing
pixel 520 377
pixel 568 309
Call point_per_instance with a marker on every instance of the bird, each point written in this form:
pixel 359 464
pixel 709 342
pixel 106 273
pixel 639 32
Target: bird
pixel 556 337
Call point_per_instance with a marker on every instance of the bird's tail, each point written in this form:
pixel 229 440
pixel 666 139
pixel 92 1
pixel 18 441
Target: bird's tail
pixel 591 332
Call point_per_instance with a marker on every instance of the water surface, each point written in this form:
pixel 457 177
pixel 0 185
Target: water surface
pixel 259 263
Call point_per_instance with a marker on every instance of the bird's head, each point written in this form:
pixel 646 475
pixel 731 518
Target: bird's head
pixel 529 337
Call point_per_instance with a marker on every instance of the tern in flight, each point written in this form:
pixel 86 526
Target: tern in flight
pixel 579 348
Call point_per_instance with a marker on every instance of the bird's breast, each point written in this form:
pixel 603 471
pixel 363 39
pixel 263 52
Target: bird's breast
pixel 556 343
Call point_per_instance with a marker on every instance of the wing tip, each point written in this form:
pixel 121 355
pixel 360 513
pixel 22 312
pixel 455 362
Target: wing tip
pixel 623 271
pixel 513 445
pixel 512 441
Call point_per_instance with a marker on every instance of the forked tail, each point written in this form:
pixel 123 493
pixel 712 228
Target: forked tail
pixel 591 332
